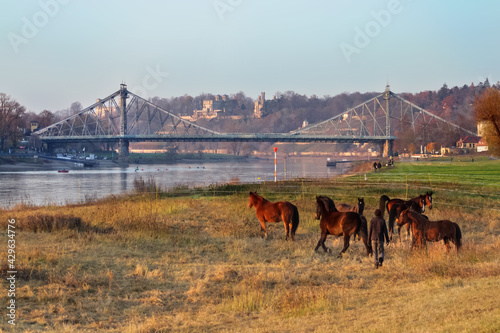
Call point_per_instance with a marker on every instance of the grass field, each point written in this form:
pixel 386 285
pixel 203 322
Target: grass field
pixel 192 260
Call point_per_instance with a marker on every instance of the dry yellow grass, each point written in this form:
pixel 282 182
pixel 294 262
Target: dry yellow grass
pixel 198 263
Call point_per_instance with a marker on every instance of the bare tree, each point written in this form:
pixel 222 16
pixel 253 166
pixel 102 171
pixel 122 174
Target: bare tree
pixel 11 117
pixel 46 118
pixel 488 111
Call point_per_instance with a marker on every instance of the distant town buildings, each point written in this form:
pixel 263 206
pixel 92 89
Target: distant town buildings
pixel 482 145
pixel 469 142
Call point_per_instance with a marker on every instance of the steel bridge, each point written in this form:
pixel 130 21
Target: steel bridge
pixel 114 119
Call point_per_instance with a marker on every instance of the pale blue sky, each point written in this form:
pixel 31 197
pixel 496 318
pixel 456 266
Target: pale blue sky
pixel 55 52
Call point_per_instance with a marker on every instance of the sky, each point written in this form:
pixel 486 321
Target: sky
pixel 56 52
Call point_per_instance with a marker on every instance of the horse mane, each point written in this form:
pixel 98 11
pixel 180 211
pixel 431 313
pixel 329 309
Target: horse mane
pixel 258 197
pixel 415 215
pixel 412 205
pixel 328 203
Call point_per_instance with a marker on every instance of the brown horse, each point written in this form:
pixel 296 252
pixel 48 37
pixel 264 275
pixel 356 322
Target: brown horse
pixel 333 222
pixel 432 231
pixel 275 212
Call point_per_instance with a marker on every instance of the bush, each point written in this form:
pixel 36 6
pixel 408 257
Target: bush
pixel 50 223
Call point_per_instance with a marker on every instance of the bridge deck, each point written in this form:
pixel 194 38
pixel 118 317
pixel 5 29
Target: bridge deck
pixel 236 137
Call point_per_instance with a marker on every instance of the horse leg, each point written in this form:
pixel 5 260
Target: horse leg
pixel 346 244
pixel 447 244
pixel 263 228
pixel 321 243
pixel 292 234
pixel 287 229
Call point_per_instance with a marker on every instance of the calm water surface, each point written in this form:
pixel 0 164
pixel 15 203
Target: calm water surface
pixel 51 187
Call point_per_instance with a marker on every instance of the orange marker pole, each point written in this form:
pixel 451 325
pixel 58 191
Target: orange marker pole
pixel 275 164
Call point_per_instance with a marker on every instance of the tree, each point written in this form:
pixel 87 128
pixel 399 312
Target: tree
pixel 46 118
pixel 487 109
pixel 443 92
pixel 75 108
pixel 11 117
pixel 432 147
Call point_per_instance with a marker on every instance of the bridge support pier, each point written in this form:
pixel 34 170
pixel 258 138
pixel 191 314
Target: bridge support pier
pixel 387 150
pixel 124 152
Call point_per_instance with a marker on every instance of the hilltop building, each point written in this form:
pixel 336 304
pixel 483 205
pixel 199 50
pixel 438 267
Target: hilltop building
pixel 263 107
pixel 213 107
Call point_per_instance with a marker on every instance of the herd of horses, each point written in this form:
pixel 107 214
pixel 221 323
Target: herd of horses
pixel 346 220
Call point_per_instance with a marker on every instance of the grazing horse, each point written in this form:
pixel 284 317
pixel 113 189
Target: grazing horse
pixel 358 208
pixel 432 231
pixel 333 222
pixel 275 212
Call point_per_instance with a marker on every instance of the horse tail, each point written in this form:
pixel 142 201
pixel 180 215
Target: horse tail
pixel 458 236
pixel 392 218
pixel 363 234
pixel 295 219
pixel 382 206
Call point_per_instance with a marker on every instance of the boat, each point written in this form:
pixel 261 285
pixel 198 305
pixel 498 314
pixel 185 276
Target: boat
pixel 331 163
pixel 63 171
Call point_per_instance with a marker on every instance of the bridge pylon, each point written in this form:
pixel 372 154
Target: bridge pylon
pixel 123 143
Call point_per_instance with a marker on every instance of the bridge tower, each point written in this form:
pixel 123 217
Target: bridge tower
pixel 123 144
pixel 387 149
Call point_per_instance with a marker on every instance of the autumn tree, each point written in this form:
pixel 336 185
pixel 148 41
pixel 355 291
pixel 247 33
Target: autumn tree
pixel 487 109
pixel 432 147
pixel 11 117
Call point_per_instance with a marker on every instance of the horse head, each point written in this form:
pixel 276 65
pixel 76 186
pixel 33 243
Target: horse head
pixel 251 199
pixel 319 208
pixel 361 205
pixel 403 217
pixel 428 199
pixel 421 203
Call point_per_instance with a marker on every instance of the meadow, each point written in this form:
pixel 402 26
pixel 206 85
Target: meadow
pixel 193 260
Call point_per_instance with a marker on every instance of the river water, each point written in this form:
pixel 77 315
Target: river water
pixel 80 185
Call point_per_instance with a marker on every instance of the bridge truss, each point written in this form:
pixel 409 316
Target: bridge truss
pixel 384 115
pixel 103 119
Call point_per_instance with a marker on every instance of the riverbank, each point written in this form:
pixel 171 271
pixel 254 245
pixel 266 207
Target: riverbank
pixel 187 260
pixel 14 163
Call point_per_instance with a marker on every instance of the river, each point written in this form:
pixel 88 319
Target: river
pixel 80 185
